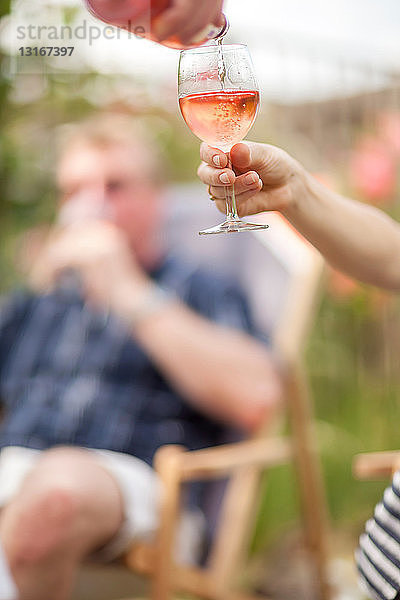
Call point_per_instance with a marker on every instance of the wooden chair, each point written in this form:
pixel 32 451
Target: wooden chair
pixel 282 274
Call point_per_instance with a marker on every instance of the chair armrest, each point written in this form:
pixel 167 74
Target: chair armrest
pixel 376 465
pixel 220 461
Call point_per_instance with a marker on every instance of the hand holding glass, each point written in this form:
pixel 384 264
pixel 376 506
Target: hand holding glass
pixel 219 98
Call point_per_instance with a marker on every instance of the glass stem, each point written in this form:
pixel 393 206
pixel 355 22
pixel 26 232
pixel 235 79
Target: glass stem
pixel 230 200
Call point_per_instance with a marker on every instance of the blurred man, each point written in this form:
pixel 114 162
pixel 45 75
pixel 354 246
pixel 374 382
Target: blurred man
pixel 122 349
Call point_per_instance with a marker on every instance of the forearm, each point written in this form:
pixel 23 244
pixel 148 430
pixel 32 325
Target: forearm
pixel 354 237
pixel 225 373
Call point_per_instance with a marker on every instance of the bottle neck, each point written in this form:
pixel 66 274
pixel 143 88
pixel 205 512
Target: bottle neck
pixel 209 33
pixel 212 32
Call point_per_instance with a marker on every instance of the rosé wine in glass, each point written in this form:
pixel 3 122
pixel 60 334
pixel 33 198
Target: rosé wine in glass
pixel 221 119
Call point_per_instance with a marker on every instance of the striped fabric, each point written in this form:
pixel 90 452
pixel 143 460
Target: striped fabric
pixel 378 555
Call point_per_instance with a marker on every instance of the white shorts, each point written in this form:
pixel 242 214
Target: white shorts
pixel 141 492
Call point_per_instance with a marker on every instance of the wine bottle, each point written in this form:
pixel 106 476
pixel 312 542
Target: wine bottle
pixel 140 17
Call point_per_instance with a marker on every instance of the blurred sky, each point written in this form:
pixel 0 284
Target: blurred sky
pixel 302 49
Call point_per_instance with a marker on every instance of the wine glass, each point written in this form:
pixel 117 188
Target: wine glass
pixel 219 98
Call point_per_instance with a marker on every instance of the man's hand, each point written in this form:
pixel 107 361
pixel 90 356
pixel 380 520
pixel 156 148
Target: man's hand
pixel 265 177
pixel 102 259
pixel 182 19
pixel 186 19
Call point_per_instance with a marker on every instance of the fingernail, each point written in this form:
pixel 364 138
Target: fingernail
pixel 251 178
pixel 216 160
pixel 224 178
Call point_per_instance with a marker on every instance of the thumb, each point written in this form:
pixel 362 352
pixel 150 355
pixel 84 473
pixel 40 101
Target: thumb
pixel 273 165
pixel 248 156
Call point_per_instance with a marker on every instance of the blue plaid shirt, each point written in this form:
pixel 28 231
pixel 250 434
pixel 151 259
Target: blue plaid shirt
pixel 70 375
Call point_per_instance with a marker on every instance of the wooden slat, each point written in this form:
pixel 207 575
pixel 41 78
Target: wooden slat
pixel 167 465
pixel 191 580
pixel 312 493
pixel 376 465
pixel 234 530
pixel 222 460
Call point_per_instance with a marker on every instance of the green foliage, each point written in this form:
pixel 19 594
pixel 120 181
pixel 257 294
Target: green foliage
pixel 353 364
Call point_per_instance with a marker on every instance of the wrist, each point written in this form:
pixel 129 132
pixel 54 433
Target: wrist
pixel 142 304
pixel 301 189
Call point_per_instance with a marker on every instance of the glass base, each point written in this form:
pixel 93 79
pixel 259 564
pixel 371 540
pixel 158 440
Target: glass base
pixel 233 226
